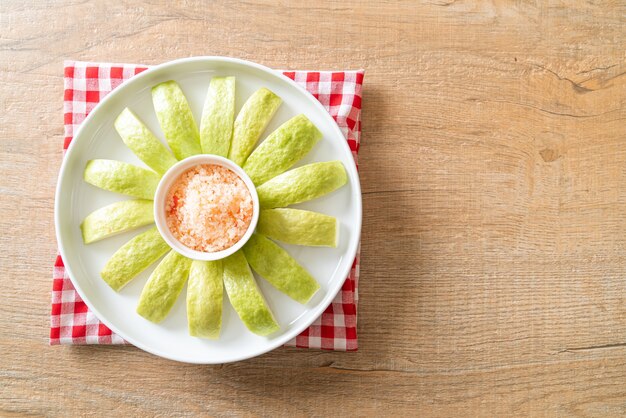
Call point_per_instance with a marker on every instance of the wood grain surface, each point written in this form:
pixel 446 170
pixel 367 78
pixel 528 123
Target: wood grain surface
pixel 494 187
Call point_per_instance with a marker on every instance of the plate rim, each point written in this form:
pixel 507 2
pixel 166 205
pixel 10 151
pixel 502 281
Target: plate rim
pixel 350 252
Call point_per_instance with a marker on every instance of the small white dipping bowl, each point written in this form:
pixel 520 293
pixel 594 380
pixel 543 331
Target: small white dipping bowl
pixel 167 182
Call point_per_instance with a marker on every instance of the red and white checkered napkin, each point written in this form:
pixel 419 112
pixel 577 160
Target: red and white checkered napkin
pixel 86 83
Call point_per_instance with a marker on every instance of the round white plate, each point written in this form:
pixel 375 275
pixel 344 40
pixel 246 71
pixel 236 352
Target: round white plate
pixel 75 199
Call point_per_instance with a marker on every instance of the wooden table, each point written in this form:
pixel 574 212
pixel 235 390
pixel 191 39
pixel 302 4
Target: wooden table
pixel 494 187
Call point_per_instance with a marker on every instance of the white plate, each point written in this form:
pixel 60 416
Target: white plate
pixel 75 199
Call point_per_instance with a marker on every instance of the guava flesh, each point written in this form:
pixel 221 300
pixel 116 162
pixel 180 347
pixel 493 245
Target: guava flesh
pixel 255 115
pixel 123 178
pixel 282 149
pixel 163 287
pixel 205 292
pixel 276 266
pixel 218 114
pixel 298 227
pixel 246 297
pixel 142 142
pixel 302 184
pixel 116 218
pixel 176 120
pixel 134 257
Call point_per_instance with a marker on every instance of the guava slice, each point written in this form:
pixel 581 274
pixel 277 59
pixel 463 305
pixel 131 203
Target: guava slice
pixel 116 218
pixel 216 126
pixel 251 121
pixel 302 184
pixel 205 292
pixel 246 297
pixel 134 257
pixel 143 143
pixel 298 227
pixel 176 119
pixel 163 287
pixel 276 266
pixel 282 149
pixel 119 177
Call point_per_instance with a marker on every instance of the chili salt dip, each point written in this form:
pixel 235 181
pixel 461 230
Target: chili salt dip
pixel 208 208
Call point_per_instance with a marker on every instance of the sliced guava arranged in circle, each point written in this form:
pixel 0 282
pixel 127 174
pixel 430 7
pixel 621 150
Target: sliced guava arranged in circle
pixel 298 227
pixel 220 133
pixel 218 114
pixel 276 266
pixel 176 120
pixel 253 118
pixel 163 287
pixel 246 297
pixel 123 178
pixel 205 293
pixel 282 149
pixel 302 184
pixel 116 218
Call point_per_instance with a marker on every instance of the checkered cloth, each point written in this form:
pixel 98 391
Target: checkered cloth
pixel 87 83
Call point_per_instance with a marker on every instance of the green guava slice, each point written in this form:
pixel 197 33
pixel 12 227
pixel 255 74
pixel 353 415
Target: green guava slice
pixel 216 126
pixel 246 297
pixel 133 257
pixel 163 287
pixel 119 177
pixel 298 227
pixel 143 143
pixel 302 184
pixel 116 218
pixel 282 149
pixel 276 266
pixel 205 292
pixel 251 121
pixel 176 119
